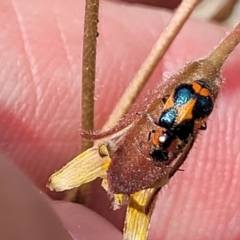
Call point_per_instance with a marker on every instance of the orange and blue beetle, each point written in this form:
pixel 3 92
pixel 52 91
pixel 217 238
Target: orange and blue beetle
pixel 184 112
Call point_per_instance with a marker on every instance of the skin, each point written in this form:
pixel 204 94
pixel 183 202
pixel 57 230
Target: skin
pixel 40 68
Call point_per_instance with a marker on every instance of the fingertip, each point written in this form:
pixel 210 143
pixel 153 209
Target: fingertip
pixel 84 223
pixel 25 213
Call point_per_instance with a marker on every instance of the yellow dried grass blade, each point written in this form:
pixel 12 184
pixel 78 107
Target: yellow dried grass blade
pixel 83 169
pixel 138 215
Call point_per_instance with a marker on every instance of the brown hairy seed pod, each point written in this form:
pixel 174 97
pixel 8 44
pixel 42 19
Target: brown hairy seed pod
pixel 131 168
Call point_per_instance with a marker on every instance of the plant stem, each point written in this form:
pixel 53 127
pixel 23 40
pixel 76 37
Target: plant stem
pixel 148 66
pixel 88 82
pixel 88 67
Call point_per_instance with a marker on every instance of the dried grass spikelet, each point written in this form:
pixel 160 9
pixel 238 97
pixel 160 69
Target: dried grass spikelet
pixel 121 158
